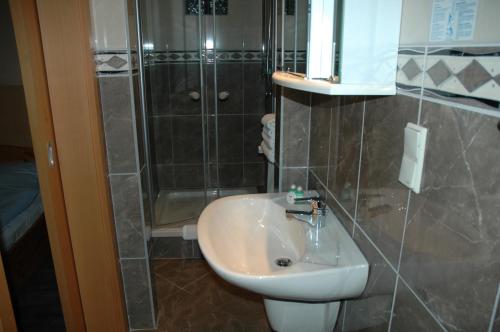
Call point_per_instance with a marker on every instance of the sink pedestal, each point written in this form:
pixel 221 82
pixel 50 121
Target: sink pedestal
pixel 289 316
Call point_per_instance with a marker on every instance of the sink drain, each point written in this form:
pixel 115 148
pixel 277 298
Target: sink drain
pixel 283 261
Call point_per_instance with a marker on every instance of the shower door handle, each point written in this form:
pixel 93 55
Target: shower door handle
pixel 194 95
pixel 223 95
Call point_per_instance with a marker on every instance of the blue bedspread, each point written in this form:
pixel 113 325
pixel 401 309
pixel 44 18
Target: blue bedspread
pixel 18 190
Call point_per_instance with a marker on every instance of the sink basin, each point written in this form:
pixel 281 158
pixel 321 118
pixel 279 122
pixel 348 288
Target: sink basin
pixel 249 241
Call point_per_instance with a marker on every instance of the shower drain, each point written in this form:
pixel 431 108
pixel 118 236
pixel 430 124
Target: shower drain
pixel 283 261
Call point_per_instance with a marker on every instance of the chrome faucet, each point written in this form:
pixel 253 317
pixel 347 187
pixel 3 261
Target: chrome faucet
pixel 315 217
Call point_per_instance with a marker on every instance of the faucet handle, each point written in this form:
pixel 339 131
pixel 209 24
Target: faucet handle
pixel 311 199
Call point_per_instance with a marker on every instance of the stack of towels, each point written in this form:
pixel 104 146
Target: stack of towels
pixel 268 134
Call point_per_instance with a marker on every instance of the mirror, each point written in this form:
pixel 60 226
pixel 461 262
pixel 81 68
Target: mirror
pixel 295 24
pixel 352 46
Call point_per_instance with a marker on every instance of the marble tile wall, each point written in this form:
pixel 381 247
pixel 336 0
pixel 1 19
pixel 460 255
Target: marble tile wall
pixel 115 42
pixel 433 256
pixel 293 152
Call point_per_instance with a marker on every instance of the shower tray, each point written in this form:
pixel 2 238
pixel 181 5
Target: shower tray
pixel 175 209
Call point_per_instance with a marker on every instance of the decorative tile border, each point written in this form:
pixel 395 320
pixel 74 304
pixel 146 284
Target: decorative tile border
pixel 470 72
pixel 153 57
pixel 464 75
pixel 115 62
pixel 192 7
pixel 410 71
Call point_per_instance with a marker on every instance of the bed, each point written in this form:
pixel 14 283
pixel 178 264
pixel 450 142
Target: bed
pixel 20 202
pixel 23 234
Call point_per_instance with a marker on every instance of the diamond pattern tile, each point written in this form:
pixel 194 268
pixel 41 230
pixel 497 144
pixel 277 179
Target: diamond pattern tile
pixel 236 56
pixel 497 79
pixel 473 76
pixel 116 62
pixel 439 73
pixel 411 69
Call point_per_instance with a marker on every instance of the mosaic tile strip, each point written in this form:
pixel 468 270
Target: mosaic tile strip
pixel 191 7
pixel 111 62
pixel 464 72
pixel 206 55
pixel 115 61
pixel 290 56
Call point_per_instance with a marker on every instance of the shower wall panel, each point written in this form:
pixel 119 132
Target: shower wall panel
pixel 230 47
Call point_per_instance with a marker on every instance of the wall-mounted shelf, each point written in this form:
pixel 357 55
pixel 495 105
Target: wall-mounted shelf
pixel 298 82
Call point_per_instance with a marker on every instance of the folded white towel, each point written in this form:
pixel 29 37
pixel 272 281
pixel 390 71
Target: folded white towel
pixel 269 129
pixel 268 139
pixel 267 145
pixel 268 152
pixel 269 120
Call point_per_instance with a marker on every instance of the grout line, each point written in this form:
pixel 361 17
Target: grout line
pixel 463 107
pixel 424 72
pixel 407 93
pixel 309 143
pixel 447 46
pixel 343 314
pixel 393 303
pixel 359 167
pixel 164 279
pixel 167 115
pixel 408 201
pixel 295 167
pixel 242 107
pixel 422 303
pixel 280 160
pixel 123 174
pixel 378 250
pixel 333 196
pixel 329 147
pixel 132 258
pixel 494 311
pixel 400 257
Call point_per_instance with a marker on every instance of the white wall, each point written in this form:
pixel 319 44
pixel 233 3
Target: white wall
pixel 416 21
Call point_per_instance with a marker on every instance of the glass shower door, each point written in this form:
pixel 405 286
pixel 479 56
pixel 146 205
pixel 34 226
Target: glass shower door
pixel 171 31
pixel 236 100
pixel 205 94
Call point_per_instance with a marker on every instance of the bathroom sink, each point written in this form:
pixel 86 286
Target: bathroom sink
pixel 249 241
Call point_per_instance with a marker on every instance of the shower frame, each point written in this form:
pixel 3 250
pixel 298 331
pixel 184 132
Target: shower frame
pixel 273 54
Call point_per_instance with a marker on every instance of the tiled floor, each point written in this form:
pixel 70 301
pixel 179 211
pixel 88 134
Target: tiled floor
pixel 191 297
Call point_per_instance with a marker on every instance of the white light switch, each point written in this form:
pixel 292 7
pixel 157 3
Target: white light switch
pixel 413 158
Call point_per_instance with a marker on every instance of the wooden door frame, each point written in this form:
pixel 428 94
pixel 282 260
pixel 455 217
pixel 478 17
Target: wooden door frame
pixel 7 319
pixel 58 72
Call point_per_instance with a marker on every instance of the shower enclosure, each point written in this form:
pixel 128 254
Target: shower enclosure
pixel 205 92
pixel 206 70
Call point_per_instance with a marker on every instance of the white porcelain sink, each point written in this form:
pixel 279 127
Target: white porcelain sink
pixel 242 236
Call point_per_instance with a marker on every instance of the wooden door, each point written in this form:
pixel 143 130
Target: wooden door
pixel 53 40
pixel 7 319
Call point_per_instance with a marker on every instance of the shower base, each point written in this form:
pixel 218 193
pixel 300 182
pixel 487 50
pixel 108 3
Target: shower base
pixel 175 209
